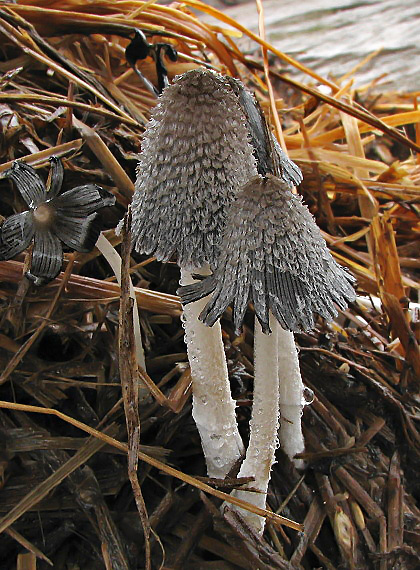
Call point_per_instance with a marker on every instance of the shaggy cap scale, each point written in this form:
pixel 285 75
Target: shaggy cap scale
pixel 274 255
pixel 195 157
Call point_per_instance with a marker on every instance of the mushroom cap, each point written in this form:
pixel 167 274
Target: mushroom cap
pixel 195 157
pixel 274 255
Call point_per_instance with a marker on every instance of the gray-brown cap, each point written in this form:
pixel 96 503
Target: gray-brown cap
pixel 195 157
pixel 274 255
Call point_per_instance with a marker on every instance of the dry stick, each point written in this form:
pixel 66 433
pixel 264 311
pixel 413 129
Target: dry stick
pixel 338 520
pixel 114 260
pixel 312 523
pixel 395 505
pixel 128 376
pixel 26 561
pixel 106 158
pixel 273 517
pixel 366 501
pixel 88 288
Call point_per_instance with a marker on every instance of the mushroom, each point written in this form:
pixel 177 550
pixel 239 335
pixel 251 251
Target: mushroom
pixel 195 157
pixel 273 254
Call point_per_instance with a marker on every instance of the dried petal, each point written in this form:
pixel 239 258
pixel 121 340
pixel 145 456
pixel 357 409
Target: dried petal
pixel 274 255
pixel 79 234
pixel 194 159
pixel 82 201
pixel 47 257
pixel 28 183
pixel 15 235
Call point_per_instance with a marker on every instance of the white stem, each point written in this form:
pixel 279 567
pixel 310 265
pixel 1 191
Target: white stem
pixel 291 396
pixel 264 422
pixel 114 260
pixel 213 406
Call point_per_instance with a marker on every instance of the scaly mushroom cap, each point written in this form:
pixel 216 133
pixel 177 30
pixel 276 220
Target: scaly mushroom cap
pixel 274 255
pixel 195 157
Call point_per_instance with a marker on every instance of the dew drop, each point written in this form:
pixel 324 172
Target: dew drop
pixel 307 396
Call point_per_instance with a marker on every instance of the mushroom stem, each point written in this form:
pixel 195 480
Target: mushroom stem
pixel 291 393
pixel 264 422
pixel 213 407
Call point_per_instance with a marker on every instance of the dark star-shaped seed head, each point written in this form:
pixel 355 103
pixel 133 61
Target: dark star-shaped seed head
pixel 195 157
pixel 273 254
pixel 52 218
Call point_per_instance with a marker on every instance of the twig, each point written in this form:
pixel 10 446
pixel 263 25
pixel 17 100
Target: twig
pixel 15 360
pixel 128 376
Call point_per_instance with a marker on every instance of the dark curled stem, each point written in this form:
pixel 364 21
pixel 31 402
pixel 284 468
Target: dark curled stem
pixel 128 375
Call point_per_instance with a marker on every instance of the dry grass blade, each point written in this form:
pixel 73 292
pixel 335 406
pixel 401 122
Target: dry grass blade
pixel 28 545
pixel 35 495
pixel 43 156
pixel 87 289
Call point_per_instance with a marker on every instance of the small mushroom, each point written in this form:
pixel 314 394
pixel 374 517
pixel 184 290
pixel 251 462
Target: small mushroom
pixel 53 218
pixel 195 157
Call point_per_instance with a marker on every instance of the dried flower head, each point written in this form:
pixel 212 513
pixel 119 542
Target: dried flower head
pixel 194 159
pixel 274 255
pixel 52 218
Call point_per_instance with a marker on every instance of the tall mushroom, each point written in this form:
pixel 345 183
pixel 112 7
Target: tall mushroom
pixel 195 157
